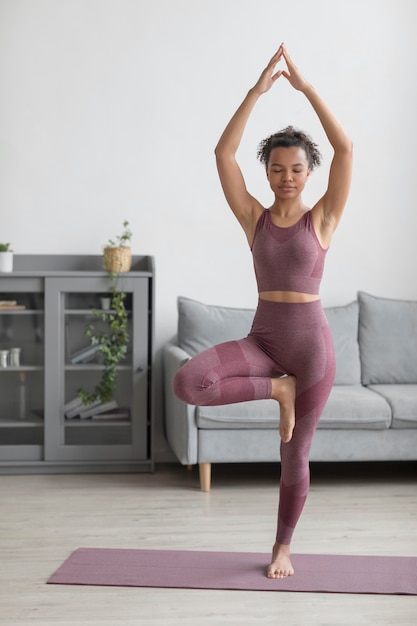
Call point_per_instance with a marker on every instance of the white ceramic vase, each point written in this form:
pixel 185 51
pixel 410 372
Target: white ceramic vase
pixel 6 261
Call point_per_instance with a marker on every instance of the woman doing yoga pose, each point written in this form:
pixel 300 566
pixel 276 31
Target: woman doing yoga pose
pixel 288 354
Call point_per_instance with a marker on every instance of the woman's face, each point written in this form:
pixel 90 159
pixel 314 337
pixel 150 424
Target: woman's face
pixel 287 171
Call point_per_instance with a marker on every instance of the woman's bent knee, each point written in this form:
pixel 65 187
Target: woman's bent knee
pixel 180 386
pixel 189 387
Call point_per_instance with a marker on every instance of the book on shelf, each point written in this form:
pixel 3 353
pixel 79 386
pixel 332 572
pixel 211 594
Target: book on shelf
pixel 85 354
pixel 74 407
pixel 101 407
pixel 72 404
pixel 119 413
pixel 11 305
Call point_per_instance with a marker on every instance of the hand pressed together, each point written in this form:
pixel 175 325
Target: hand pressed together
pixel 269 76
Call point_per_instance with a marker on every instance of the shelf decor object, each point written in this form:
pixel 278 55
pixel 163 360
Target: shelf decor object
pixel 6 258
pixel 117 256
pixel 111 343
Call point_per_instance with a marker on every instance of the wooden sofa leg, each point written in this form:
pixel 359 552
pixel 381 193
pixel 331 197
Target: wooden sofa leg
pixel 205 476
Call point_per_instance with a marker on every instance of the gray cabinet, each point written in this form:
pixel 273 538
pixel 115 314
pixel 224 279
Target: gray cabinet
pixel 47 304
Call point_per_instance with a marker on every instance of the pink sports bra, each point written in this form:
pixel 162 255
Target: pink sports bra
pixel 287 259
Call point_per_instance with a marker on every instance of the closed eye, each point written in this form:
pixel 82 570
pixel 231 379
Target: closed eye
pixel 280 171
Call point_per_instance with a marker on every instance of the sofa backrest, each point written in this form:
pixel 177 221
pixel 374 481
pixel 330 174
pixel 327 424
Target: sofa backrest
pixel 343 322
pixel 201 326
pixel 387 339
pixel 375 339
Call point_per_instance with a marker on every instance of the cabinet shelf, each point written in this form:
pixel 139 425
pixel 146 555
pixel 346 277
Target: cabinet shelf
pixel 82 312
pixel 90 312
pixel 94 367
pixel 21 312
pixel 92 423
pixel 22 368
pixel 18 423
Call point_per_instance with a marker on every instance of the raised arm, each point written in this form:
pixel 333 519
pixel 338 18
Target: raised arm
pixel 328 210
pixel 243 204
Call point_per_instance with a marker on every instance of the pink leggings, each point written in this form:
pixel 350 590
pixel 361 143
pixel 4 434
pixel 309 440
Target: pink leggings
pixel 286 338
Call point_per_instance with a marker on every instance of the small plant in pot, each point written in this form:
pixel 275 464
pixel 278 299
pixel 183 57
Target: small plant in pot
pixel 6 257
pixel 117 256
pixel 111 342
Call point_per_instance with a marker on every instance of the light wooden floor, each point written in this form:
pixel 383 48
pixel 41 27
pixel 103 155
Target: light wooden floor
pixel 350 510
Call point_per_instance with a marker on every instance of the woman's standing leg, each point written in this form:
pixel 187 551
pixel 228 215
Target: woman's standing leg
pixel 314 384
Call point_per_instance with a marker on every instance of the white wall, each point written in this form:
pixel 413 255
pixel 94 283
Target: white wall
pixel 110 110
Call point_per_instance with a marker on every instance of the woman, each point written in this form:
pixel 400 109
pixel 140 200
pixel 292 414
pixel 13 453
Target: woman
pixel 288 354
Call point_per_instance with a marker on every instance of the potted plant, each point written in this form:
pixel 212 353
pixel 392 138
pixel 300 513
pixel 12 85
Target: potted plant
pixel 117 255
pixel 111 342
pixel 6 258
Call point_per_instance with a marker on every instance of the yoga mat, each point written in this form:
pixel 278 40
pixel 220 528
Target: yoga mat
pixel 237 570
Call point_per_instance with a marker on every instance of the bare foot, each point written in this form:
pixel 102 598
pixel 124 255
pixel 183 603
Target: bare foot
pixel 280 566
pixel 284 390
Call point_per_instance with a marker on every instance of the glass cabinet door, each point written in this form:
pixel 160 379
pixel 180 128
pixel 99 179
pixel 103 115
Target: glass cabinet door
pixel 21 369
pixel 113 431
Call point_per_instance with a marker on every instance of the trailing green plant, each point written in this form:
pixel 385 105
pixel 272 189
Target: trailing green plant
pixel 5 247
pixel 113 341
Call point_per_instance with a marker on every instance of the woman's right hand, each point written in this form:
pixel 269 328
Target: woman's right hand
pixel 268 78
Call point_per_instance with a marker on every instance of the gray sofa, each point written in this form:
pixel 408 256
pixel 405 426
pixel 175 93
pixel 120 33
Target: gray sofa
pixel 371 414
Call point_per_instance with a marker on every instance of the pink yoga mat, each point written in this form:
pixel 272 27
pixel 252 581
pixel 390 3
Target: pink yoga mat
pixel 237 570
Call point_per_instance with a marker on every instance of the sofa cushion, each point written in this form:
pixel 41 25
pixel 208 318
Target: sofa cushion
pixel 253 414
pixel 343 322
pixel 202 326
pixel 387 340
pixel 403 402
pixel 353 407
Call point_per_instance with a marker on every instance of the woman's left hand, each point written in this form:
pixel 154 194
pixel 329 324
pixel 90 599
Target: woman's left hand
pixel 293 75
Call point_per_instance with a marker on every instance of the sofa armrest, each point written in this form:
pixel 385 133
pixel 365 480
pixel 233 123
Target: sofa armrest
pixel 180 426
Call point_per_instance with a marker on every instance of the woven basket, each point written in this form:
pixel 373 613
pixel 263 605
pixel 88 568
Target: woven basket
pixel 117 259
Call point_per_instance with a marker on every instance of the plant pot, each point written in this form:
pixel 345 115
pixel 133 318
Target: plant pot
pixel 117 259
pixel 105 303
pixel 6 261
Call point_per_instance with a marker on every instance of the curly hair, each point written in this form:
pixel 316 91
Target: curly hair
pixel 287 138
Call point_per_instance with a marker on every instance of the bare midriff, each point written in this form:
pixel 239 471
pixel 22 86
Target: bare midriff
pixel 288 296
